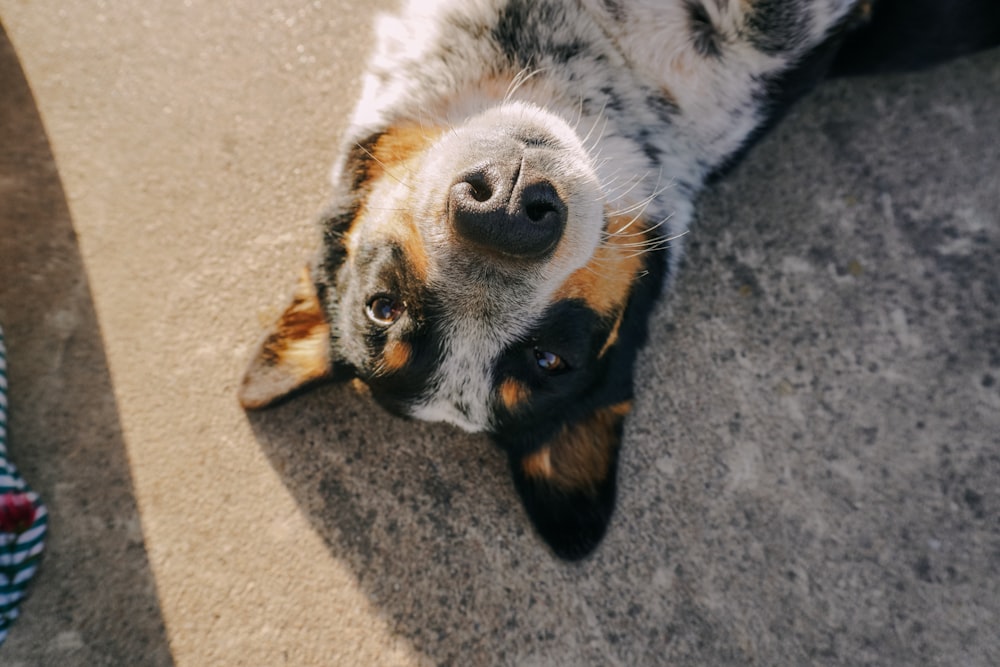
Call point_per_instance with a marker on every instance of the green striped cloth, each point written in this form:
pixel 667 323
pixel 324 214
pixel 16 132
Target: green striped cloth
pixel 20 552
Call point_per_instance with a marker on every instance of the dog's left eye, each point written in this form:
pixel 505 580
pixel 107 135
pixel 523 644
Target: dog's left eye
pixel 549 361
pixel 384 309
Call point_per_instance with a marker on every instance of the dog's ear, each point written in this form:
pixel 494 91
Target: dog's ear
pixel 568 482
pixel 294 354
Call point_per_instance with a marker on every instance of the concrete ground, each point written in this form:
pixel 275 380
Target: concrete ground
pixel 811 476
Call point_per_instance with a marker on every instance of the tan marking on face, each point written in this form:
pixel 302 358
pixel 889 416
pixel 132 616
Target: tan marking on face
pixel 385 212
pixel 606 280
pixel 579 458
pixel 394 151
pixel 620 409
pixel 513 393
pixel 412 243
pixel 359 386
pixel 385 218
pixel 395 355
pixel 539 464
pixel 613 336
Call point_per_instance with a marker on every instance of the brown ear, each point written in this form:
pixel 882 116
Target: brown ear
pixel 295 353
pixel 568 483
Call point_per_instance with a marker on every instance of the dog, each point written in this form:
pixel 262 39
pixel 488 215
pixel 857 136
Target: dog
pixel 511 200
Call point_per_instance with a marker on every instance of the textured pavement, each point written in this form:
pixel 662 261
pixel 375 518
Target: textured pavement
pixel 810 476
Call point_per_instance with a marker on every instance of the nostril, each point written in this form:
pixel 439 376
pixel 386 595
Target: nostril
pixel 536 211
pixel 479 187
pixel 541 203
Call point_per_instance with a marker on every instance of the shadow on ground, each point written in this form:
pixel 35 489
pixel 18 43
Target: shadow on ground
pixel 810 475
pixel 94 600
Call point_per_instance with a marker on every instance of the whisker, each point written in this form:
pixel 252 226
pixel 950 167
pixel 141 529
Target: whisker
pixel 385 167
pixel 601 162
pixel 633 179
pixel 640 206
pixel 522 77
pixel 613 240
pixel 643 203
pixel 638 249
pixel 600 135
pixel 513 84
pixel 600 116
pixel 642 210
pixel 644 231
pixel 626 193
pixel 579 112
pixel 596 157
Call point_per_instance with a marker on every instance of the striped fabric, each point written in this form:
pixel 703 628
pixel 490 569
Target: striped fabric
pixel 19 553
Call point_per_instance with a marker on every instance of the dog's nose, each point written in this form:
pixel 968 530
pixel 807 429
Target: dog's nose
pixel 507 208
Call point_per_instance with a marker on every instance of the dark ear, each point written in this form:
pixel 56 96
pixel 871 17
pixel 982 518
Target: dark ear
pixel 295 352
pixel 568 483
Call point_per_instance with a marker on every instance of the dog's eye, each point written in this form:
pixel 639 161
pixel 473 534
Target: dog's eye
pixel 549 361
pixel 384 309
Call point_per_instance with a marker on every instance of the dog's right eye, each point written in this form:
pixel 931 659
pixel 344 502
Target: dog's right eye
pixel 384 309
pixel 549 362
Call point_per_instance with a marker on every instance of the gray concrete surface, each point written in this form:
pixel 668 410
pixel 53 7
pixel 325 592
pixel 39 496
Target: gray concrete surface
pixel 811 476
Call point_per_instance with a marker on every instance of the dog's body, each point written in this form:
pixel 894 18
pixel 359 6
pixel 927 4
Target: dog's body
pixel 512 198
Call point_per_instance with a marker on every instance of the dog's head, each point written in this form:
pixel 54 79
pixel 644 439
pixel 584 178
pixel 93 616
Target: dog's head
pixel 477 274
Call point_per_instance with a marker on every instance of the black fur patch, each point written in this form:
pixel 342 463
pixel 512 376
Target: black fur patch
pixel 572 522
pixel 705 37
pixel 615 9
pixel 533 33
pixel 570 330
pixel 777 26
pixel 521 32
pixel 663 105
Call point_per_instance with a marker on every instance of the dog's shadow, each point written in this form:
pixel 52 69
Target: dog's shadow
pixel 382 490
pixel 424 514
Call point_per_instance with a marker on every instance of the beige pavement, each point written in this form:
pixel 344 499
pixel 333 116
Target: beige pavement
pixel 188 154
pixel 810 477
